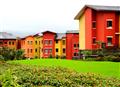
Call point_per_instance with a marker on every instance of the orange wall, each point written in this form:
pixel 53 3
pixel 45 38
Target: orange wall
pixel 26 46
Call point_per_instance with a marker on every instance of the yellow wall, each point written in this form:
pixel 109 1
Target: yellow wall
pixel 41 46
pixel 82 32
pixel 59 46
pixel 63 46
pixel 36 46
pixel 119 30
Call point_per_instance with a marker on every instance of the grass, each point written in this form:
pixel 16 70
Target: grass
pixel 109 69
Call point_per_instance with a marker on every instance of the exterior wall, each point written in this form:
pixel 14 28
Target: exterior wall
pixel 88 28
pixel 37 46
pixel 82 32
pixel 27 47
pixel 41 46
pixel 63 47
pixel 49 36
pixel 119 30
pixel 10 43
pixel 101 32
pixel 71 39
pixel 59 47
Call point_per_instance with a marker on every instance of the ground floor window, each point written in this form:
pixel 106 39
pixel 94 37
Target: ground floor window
pixel 109 41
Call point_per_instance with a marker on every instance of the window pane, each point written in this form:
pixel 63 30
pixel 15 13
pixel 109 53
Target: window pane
pixel 50 42
pixel 109 23
pixel 57 50
pixel 94 24
pixel 109 41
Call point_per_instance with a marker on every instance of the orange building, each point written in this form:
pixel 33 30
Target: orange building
pixel 27 44
pixel 8 40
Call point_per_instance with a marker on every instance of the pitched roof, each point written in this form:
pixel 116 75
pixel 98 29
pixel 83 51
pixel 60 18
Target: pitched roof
pixel 97 8
pixel 72 31
pixel 60 35
pixel 49 32
pixel 5 35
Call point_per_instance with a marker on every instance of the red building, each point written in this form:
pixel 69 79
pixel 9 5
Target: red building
pixel 72 44
pixel 49 43
pixel 99 24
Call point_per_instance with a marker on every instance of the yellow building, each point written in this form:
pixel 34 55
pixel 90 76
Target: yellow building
pixel 37 46
pixel 60 45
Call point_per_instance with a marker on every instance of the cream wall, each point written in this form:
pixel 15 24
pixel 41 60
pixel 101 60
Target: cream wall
pixel 82 32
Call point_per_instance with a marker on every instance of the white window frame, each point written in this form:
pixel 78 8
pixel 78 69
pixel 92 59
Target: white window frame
pixel 112 23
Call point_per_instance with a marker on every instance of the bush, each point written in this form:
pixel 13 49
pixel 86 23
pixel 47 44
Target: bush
pixel 117 59
pixel 1 58
pixel 26 76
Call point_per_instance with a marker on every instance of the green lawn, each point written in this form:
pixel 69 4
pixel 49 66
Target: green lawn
pixel 109 69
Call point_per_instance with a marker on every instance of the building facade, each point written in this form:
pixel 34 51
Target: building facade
pixel 72 44
pixel 60 45
pixel 8 40
pixel 99 24
pixel 49 44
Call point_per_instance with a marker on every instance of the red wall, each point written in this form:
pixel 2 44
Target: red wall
pixel 101 32
pixel 88 32
pixel 49 36
pixel 71 39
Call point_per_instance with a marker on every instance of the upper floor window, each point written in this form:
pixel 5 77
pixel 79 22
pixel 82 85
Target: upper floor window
pixel 75 46
pixel 46 42
pixel 56 41
pixel 12 43
pixel 94 24
pixel 109 24
pixel 50 42
pixel 36 42
pixel 63 42
pixel 56 49
pixel 5 42
pixel 1 42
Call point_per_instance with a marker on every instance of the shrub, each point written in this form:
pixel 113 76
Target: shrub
pixel 117 59
pixel 26 76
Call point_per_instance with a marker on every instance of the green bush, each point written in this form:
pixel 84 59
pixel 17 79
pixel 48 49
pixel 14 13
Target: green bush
pixel 25 76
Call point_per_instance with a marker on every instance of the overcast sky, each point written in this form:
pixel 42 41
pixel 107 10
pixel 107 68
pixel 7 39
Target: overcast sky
pixel 34 16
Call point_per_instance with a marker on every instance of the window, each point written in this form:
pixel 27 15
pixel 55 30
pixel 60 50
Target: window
pixel 46 51
pixel 63 50
pixel 46 42
pixel 36 42
pixel 56 49
pixel 50 42
pixel 94 40
pixel 63 42
pixel 50 50
pixel 109 41
pixel 36 50
pixel 75 46
pixel 75 54
pixel 109 24
pixel 1 42
pixel 27 50
pixel 94 24
pixel 12 43
pixel 78 45
pixel 56 41
pixel 9 43
pixel 31 50
pixel 31 42
pixel 5 42
pixel 28 42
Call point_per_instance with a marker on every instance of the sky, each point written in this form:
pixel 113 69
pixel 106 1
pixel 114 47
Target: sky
pixel 34 16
